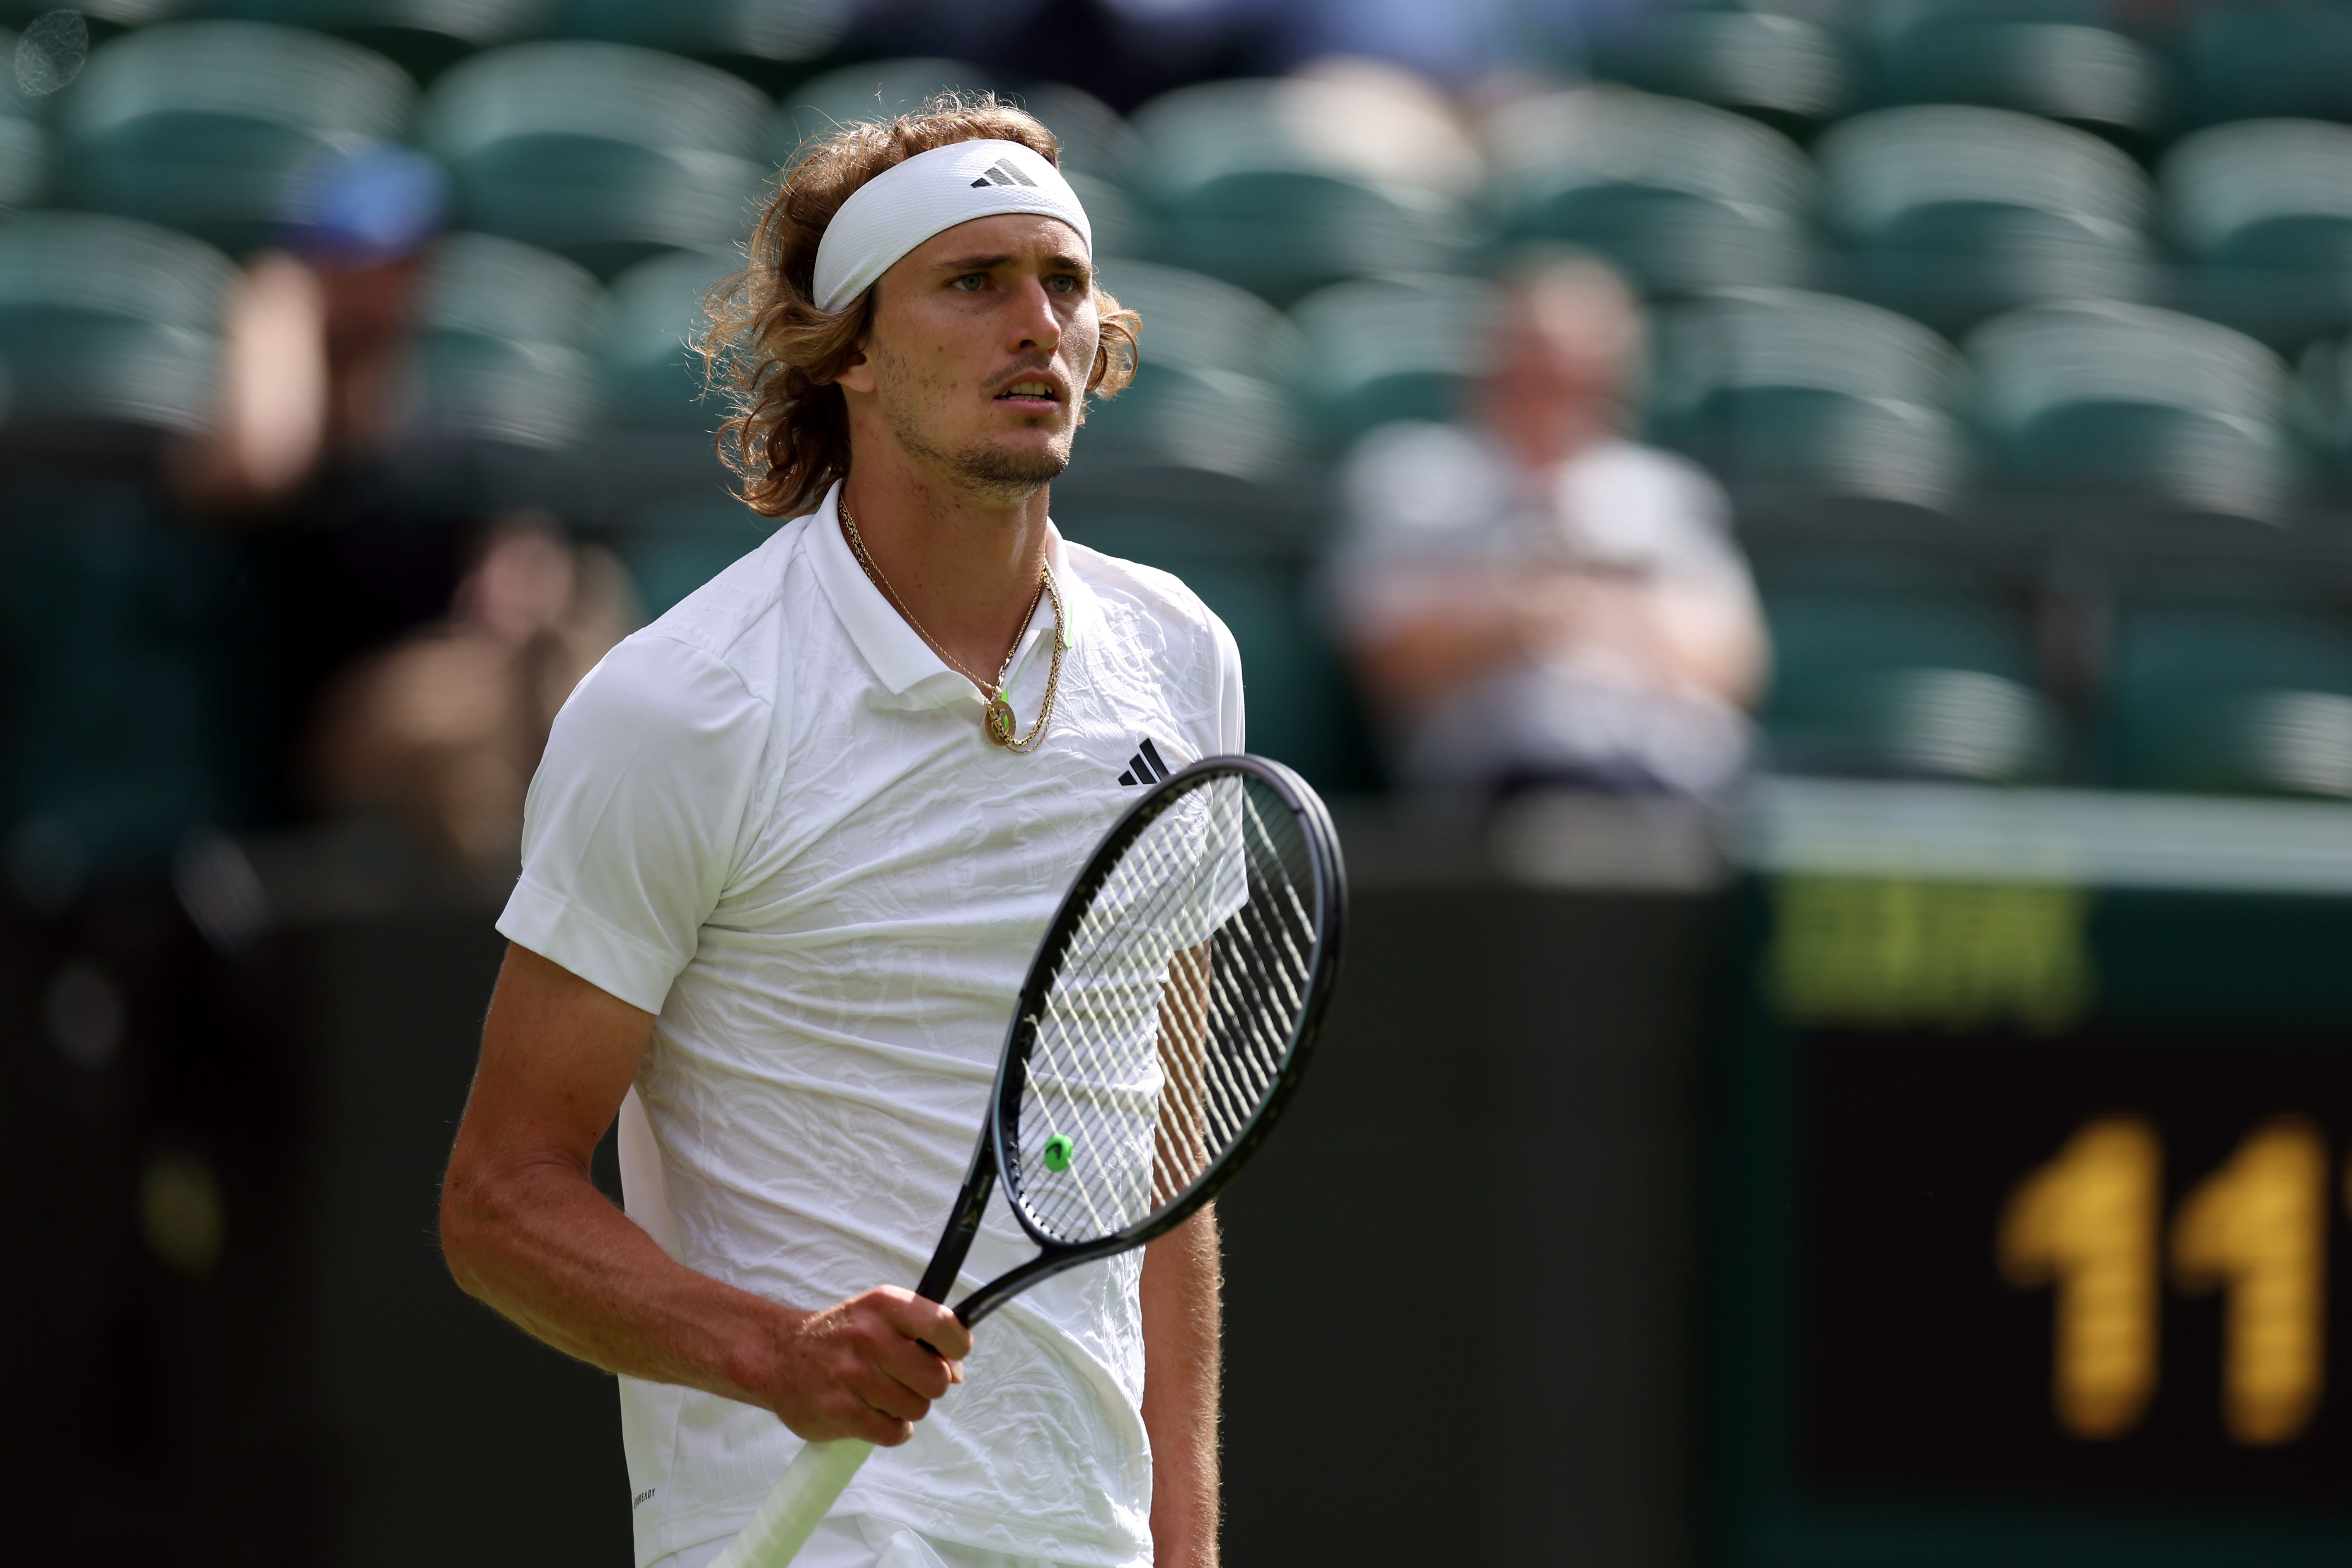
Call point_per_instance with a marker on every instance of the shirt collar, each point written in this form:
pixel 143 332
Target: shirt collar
pixel 909 669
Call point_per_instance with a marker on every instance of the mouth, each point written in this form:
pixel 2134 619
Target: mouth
pixel 1031 395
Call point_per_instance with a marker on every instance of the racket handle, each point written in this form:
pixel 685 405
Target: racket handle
pixel 809 1487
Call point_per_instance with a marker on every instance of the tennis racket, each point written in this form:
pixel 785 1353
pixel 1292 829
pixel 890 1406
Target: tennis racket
pixel 1166 1020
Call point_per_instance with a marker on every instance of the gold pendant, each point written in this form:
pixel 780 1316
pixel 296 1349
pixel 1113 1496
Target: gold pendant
pixel 1002 725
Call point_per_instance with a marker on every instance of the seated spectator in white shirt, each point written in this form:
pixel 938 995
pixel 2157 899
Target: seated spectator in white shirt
pixel 1531 600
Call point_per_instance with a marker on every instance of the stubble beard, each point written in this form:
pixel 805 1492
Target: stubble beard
pixel 1006 478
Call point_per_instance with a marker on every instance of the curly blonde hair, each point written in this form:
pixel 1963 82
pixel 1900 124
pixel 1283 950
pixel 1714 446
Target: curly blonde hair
pixel 777 353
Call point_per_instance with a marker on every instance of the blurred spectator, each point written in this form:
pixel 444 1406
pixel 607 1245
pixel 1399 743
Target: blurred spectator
pixel 317 337
pixel 443 730
pixel 1533 600
pixel 419 654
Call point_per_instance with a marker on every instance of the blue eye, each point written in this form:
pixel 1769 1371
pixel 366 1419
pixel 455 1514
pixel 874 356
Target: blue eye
pixel 1063 285
pixel 970 282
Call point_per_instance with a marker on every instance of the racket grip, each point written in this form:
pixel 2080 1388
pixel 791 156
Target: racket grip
pixel 800 1499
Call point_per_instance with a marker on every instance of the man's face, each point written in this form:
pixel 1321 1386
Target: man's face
pixel 981 340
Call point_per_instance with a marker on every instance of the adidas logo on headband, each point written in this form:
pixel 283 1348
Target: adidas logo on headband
pixel 1001 172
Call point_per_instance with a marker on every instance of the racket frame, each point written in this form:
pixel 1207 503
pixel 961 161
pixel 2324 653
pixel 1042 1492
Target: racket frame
pixel 992 1156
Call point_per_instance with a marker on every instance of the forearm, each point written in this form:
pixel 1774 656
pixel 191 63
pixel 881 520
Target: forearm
pixel 539 1242
pixel 1182 1333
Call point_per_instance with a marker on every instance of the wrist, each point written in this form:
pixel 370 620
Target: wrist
pixel 757 1354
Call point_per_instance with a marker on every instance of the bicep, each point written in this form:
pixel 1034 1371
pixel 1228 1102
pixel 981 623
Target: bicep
pixel 558 1055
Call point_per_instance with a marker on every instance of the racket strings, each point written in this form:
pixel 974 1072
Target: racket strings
pixel 1171 1016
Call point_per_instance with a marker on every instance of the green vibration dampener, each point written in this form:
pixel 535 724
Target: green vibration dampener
pixel 1057 1152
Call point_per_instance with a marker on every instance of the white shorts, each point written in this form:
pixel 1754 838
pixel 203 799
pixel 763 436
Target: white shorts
pixel 861 1541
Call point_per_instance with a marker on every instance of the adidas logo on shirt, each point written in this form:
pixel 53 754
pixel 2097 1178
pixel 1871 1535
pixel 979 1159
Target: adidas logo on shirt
pixel 1145 766
pixel 1002 173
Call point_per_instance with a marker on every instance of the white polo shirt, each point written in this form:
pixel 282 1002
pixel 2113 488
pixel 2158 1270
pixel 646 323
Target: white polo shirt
pixel 772 818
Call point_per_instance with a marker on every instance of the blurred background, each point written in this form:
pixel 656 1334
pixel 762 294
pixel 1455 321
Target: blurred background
pixel 1810 543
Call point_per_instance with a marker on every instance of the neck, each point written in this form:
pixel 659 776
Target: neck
pixel 964 567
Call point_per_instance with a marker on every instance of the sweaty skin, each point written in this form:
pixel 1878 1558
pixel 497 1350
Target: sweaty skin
pixel 962 403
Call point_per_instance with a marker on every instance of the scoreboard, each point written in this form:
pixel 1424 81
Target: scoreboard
pixel 2035 1184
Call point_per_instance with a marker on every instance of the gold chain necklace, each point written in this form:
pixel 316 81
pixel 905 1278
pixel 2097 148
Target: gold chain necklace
pixel 1002 724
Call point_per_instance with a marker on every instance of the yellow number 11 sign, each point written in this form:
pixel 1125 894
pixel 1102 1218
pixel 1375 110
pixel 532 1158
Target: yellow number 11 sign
pixel 2086 1226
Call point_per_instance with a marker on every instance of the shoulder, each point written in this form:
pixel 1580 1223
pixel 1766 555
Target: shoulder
pixel 706 662
pixel 1414 480
pixel 1628 500
pixel 1138 599
pixel 1634 470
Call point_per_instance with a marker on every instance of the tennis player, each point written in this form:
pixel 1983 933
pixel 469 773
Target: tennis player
pixel 785 861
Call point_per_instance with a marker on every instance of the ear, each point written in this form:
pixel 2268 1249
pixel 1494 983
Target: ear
pixel 856 372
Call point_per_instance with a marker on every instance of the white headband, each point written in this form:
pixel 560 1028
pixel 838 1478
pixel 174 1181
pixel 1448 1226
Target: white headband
pixel 928 193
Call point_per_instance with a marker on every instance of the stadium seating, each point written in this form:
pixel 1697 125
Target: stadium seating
pixel 1955 214
pixel 1385 349
pixel 2050 57
pixel 24 149
pixel 503 345
pixel 652 380
pixel 1786 70
pixel 1811 392
pixel 877 89
pixel 604 152
pixel 2238 698
pixel 1907 682
pixel 109 321
pixel 1212 389
pixel 2321 410
pixel 1283 186
pixel 781 30
pixel 425 37
pixel 202 125
pixel 2129 400
pixel 2263 207
pixel 1100 155
pixel 2270 60
pixel 1683 197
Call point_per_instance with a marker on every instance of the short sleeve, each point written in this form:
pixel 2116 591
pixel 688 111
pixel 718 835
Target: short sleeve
pixel 1232 728
pixel 631 828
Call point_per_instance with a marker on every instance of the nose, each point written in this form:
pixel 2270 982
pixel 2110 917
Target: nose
pixel 1036 323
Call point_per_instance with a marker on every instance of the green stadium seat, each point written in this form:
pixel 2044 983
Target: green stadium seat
pixel 1283 186
pixel 1100 153
pixel 1786 70
pixel 1822 394
pixel 2136 402
pixel 652 379
pixel 2263 208
pixel 1096 139
pixel 2229 697
pixel 1905 682
pixel 109 321
pixel 787 31
pixel 675 546
pixel 503 343
pixel 1211 391
pixel 2321 406
pixel 1380 350
pixel 1196 420
pixel 2048 57
pixel 877 89
pixel 201 126
pixel 604 152
pixel 1954 214
pixel 425 37
pixel 1201 323
pixel 1683 197
pixel 2246 60
pixel 24 148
